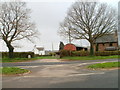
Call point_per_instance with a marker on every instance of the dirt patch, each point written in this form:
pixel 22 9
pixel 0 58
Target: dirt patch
pixel 51 60
pixel 56 71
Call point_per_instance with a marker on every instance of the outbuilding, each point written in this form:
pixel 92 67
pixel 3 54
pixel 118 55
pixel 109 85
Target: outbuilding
pixel 108 42
pixel 73 47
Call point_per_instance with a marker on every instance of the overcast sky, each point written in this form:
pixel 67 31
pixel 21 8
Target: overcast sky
pixel 47 15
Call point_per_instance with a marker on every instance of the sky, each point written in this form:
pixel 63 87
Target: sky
pixel 47 15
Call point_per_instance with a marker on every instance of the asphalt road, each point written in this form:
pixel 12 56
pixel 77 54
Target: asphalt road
pixel 38 62
pixel 61 75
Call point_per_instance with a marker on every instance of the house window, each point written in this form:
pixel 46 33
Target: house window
pixel 110 44
pixel 103 44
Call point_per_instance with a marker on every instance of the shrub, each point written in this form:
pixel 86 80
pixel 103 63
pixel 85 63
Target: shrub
pixel 107 53
pixel 86 53
pixel 73 53
pixel 37 55
pixel 80 53
pixel 52 54
pixel 19 54
pixel 65 53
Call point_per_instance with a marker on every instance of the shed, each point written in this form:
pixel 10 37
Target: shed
pixel 74 47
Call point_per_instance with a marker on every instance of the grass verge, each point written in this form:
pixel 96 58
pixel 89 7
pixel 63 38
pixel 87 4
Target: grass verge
pixel 12 71
pixel 64 58
pixel 91 57
pixel 25 59
pixel 104 65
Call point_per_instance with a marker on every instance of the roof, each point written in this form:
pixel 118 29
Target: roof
pixel 80 46
pixel 76 45
pixel 106 38
pixel 40 48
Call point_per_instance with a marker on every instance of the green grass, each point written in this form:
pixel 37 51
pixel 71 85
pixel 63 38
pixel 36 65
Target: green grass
pixel 104 65
pixel 12 70
pixel 91 57
pixel 25 59
pixel 50 57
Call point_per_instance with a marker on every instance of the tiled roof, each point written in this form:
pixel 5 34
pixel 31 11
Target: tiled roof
pixel 107 38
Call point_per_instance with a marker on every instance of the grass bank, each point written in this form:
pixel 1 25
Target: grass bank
pixel 12 70
pixel 25 59
pixel 104 65
pixel 64 58
pixel 91 57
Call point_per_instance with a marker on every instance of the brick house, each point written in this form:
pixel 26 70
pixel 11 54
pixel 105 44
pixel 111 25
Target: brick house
pixel 107 42
pixel 73 47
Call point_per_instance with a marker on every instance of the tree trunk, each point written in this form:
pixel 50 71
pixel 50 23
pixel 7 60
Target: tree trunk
pixel 91 49
pixel 11 49
pixel 97 47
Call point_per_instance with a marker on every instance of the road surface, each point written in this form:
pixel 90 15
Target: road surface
pixel 69 74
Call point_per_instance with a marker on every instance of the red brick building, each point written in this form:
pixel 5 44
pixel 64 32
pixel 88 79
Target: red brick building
pixel 107 42
pixel 73 47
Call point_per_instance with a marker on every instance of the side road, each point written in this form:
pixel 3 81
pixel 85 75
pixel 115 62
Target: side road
pixel 54 62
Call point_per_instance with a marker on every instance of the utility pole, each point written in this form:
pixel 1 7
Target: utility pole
pixel 69 35
pixel 52 47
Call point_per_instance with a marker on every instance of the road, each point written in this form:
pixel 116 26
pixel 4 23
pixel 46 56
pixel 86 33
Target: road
pixel 39 62
pixel 70 74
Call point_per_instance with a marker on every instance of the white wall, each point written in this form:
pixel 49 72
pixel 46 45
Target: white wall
pixel 36 51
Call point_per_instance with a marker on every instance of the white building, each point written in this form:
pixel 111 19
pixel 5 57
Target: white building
pixel 39 50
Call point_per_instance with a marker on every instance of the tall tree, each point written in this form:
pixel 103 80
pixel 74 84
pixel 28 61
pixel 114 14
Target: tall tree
pixel 61 46
pixel 15 23
pixel 89 20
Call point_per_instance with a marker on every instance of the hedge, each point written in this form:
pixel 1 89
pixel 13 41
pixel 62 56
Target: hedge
pixel 19 54
pixel 86 53
pixel 80 53
pixel 37 55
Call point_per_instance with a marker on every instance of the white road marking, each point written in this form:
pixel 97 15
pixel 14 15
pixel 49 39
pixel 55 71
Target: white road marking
pixel 86 74
pixel 28 66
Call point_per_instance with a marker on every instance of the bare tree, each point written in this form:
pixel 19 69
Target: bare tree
pixel 15 23
pixel 89 20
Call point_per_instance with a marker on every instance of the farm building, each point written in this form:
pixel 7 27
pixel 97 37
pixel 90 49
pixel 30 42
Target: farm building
pixel 107 42
pixel 73 47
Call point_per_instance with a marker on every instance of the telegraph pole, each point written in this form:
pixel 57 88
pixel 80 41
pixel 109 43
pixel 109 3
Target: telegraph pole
pixel 69 35
pixel 52 47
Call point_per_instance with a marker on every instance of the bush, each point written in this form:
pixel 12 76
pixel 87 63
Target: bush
pixel 80 53
pixel 52 54
pixel 37 55
pixel 107 53
pixel 19 54
pixel 86 53
pixel 65 53
pixel 73 53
